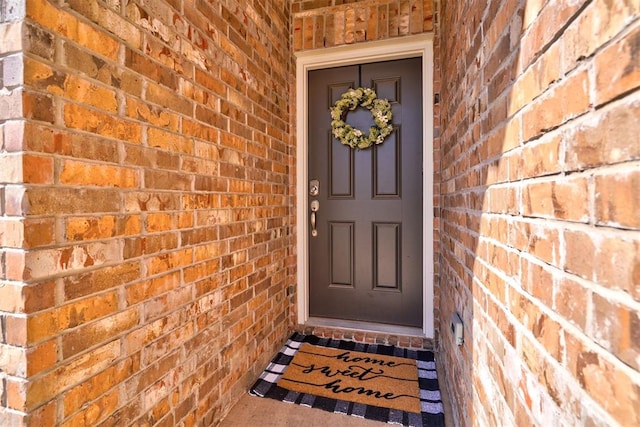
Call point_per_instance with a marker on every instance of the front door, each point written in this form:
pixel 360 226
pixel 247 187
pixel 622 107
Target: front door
pixel 365 261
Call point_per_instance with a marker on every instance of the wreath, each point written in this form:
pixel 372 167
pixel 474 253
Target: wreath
pixel 356 138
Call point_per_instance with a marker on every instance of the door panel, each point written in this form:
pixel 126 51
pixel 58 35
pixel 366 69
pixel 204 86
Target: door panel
pixel 365 263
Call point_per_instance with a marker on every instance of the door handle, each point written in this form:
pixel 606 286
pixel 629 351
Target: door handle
pixel 315 207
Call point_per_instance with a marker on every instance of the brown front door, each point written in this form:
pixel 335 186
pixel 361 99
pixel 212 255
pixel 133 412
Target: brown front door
pixel 365 263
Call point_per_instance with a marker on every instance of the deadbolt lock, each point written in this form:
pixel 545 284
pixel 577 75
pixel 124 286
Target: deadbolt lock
pixel 314 187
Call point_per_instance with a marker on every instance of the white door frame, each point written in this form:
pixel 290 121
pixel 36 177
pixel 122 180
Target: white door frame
pixel 396 48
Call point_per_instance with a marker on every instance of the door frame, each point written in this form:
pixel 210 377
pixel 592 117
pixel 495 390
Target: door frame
pixel 397 48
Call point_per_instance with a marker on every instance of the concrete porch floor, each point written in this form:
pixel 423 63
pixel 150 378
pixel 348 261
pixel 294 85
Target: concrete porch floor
pixel 257 411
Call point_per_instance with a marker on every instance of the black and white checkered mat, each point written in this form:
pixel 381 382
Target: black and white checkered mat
pixel 430 399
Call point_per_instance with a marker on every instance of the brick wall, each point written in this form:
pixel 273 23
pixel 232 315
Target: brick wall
pixel 327 23
pixel 147 245
pixel 540 202
pixel 13 301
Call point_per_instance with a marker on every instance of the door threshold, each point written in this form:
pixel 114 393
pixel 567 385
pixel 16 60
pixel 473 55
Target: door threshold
pixel 365 326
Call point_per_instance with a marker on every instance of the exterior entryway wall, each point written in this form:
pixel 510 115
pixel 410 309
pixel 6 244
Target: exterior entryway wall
pixel 540 211
pixel 146 220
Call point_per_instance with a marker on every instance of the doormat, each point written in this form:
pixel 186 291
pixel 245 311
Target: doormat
pixel 373 381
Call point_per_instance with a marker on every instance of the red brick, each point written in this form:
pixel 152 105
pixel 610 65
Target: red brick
pixel 608 385
pixel 39 232
pixel 615 327
pixel 47 200
pixel 563 199
pixel 570 301
pixel 595 26
pixel 618 199
pixel 548 112
pixel 38 107
pixel 617 264
pixel 608 136
pixel 551 15
pixel 625 76
pixel 580 253
pixel 37 169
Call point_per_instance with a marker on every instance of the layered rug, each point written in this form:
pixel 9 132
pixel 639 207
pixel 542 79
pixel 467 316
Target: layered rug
pixel 377 382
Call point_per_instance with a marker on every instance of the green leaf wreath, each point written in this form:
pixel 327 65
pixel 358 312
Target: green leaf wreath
pixel 356 138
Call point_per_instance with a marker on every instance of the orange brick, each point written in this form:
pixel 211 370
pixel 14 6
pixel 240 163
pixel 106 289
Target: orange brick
pixel 152 288
pixel 88 228
pixel 139 110
pixel 42 357
pixel 169 141
pixel 80 118
pixel 83 91
pixel 49 385
pixel 76 173
pixel 42 12
pixel 39 232
pixel 96 281
pixel 46 415
pixel 93 388
pixel 95 412
pixel 50 323
pixel 101 331
pixel 111 19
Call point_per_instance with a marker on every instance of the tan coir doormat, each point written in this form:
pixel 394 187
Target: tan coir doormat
pixel 370 379
pixel 379 382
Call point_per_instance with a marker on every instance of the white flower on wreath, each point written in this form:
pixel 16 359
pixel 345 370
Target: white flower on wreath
pixel 380 110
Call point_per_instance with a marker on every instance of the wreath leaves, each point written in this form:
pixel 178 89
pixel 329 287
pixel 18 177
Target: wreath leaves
pixel 380 110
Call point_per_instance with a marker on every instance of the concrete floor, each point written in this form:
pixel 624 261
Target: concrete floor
pixel 263 412
pixel 257 411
